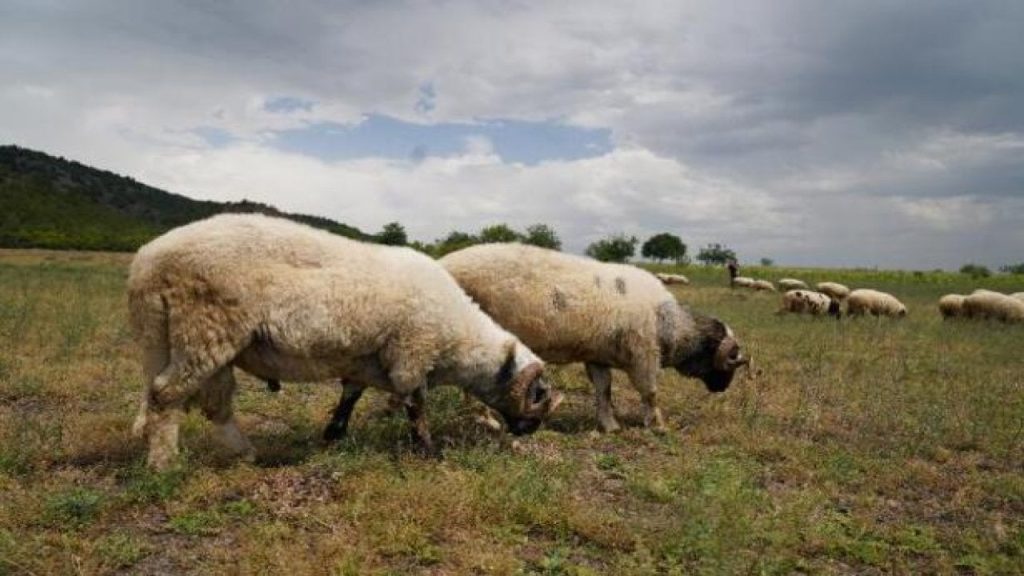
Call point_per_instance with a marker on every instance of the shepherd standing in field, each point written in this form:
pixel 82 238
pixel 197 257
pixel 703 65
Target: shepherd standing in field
pixel 734 269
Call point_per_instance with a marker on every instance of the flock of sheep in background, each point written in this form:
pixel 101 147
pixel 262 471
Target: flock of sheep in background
pixel 826 300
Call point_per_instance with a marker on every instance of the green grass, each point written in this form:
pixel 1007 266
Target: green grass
pixel 852 447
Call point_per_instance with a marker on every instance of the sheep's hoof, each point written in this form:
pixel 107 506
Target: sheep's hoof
pixel 334 432
pixel 609 426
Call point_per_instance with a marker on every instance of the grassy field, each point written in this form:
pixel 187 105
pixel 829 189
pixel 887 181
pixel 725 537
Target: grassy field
pixel 857 447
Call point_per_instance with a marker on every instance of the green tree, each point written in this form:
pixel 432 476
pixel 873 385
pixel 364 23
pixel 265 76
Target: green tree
pixel 542 235
pixel 767 262
pixel 664 246
pixel 393 234
pixel 617 248
pixel 455 240
pixel 715 254
pixel 975 270
pixel 1013 268
pixel 499 233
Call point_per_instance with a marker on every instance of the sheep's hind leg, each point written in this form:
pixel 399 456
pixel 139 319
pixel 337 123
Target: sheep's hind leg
pixel 601 377
pixel 216 398
pixel 337 428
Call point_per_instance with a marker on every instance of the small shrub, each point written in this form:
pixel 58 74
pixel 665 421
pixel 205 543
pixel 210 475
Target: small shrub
pixel 975 270
pixel 76 507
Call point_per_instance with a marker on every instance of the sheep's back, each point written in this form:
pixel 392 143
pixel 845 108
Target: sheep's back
pixel 556 302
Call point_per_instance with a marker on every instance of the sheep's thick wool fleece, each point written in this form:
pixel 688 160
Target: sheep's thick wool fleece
pixel 232 280
pixel 568 308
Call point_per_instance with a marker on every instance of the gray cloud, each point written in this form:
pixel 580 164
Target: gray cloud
pixel 854 133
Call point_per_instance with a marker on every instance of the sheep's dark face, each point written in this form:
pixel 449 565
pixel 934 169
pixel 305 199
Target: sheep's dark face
pixel 834 309
pixel 524 398
pixel 716 359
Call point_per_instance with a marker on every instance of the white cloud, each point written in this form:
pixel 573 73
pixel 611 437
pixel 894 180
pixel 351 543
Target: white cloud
pixel 788 129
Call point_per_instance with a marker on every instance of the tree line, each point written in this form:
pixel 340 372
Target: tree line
pixel 660 247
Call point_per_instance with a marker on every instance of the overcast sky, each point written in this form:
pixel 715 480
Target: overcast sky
pixel 859 133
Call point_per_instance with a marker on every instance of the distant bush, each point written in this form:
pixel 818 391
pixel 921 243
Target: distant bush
pixel 393 234
pixel 1012 268
pixel 975 270
pixel 542 235
pixel 767 262
pixel 617 248
pixel 664 246
pixel 715 254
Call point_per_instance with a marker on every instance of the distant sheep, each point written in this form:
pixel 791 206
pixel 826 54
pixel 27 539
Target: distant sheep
pixel 951 305
pixel 742 282
pixel 763 286
pixel 988 304
pixel 670 279
pixel 282 300
pixel 866 301
pixel 792 284
pixel 833 289
pixel 809 302
pixel 573 309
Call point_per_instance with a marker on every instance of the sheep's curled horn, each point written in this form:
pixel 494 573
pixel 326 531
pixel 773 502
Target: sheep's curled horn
pixel 723 355
pixel 521 385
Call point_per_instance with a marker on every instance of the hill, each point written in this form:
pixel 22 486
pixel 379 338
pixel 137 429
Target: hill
pixel 51 202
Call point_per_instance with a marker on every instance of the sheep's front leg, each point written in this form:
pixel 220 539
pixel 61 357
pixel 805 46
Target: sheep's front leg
pixel 601 377
pixel 645 380
pixel 337 428
pixel 415 409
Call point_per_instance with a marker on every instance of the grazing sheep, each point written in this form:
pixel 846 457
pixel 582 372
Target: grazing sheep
pixel 763 286
pixel 792 284
pixel 951 305
pixel 742 282
pixel 284 301
pixel 809 302
pixel 866 301
pixel 988 304
pixel 573 309
pixel 833 289
pixel 669 279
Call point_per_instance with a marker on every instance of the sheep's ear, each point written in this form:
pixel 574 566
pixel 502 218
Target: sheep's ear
pixel 508 367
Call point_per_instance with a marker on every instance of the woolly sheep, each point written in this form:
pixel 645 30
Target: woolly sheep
pixel 669 279
pixel 951 305
pixel 792 284
pixel 573 309
pixel 833 289
pixel 1018 296
pixel 809 302
pixel 763 286
pixel 742 282
pixel 284 301
pixel 988 304
pixel 866 301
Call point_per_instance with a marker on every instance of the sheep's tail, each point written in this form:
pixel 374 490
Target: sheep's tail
pixel 149 322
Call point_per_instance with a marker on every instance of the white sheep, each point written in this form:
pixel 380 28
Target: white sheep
pixel 951 305
pixel 867 301
pixel 809 302
pixel 670 279
pixel 573 309
pixel 792 284
pixel 833 289
pixel 763 286
pixel 284 301
pixel 988 304
pixel 1018 296
pixel 742 282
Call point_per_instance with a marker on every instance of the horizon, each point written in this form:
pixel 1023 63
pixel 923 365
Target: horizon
pixel 862 136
